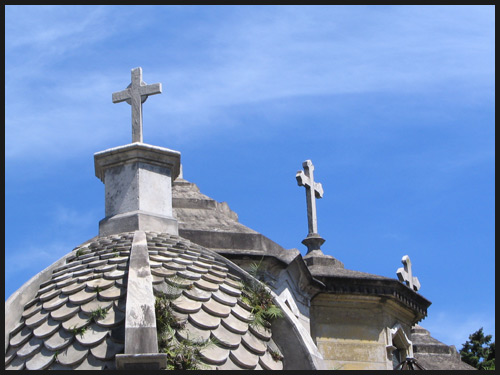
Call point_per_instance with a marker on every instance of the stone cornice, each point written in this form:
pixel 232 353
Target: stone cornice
pixel 137 152
pixel 382 287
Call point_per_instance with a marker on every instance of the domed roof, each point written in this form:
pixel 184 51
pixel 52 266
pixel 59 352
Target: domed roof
pixel 77 318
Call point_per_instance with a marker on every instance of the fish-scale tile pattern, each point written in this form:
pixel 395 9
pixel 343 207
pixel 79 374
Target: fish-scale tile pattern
pixel 207 297
pixel 57 330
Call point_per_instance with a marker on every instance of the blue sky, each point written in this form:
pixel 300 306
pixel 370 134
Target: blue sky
pixel 393 104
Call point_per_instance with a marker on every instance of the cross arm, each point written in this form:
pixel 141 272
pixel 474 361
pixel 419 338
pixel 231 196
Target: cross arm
pixel 152 89
pixel 402 274
pixel 121 96
pixel 318 190
pixel 302 179
pixel 416 283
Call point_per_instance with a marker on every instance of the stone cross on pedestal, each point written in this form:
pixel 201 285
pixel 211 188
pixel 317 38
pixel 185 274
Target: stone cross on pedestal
pixel 135 94
pixel 405 274
pixel 313 190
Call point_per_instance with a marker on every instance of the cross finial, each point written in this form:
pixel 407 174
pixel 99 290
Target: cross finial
pixel 135 94
pixel 313 190
pixel 405 274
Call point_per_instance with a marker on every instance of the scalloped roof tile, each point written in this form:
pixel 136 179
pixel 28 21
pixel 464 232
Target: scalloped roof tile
pixel 56 330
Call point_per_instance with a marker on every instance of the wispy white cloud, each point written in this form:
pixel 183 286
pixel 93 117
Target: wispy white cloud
pixel 326 50
pixel 25 261
pixel 34 257
pixel 38 37
pixel 454 328
pixel 250 55
pixel 72 219
pixel 33 253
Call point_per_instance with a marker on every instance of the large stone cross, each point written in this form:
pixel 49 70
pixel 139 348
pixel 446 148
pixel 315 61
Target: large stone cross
pixel 135 94
pixel 405 274
pixel 313 190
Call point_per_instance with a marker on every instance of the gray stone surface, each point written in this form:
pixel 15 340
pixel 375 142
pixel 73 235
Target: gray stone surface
pixel 254 344
pixel 93 335
pixel 405 274
pixel 135 94
pixel 216 308
pixel 233 324
pixel 93 363
pixel 213 225
pixel 268 363
pixel 77 321
pixel 37 319
pixel 215 354
pixel 72 354
pixel 184 304
pixel 313 190
pixel 140 322
pixel 107 349
pixel 141 361
pixel 244 358
pixel 226 337
pixel 59 340
pixel 30 347
pixel 204 320
pixel 65 312
pixel 47 328
pixel 137 179
pixel 29 312
pixel 224 298
pixel 242 313
pixel 114 317
pixel 55 302
pixel 40 361
pixel 83 296
pixel 433 354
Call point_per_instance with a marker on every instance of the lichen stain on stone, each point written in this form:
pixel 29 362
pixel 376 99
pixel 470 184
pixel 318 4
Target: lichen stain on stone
pixel 133 314
pixel 148 316
pixel 143 271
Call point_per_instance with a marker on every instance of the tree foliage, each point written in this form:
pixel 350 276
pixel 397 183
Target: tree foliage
pixel 479 351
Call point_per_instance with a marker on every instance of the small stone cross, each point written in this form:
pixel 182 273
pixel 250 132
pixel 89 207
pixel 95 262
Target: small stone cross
pixel 313 190
pixel 135 94
pixel 405 274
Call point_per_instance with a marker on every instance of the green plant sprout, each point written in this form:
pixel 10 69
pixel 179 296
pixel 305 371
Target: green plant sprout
pixel 258 296
pixel 98 314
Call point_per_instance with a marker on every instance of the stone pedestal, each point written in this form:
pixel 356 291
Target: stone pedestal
pixel 313 241
pixel 138 188
pixel 317 262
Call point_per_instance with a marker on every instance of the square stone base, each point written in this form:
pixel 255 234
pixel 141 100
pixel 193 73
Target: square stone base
pixel 138 220
pixel 153 361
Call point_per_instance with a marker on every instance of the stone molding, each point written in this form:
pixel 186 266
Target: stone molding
pixel 137 220
pixel 397 333
pixel 233 243
pixel 137 152
pixel 383 287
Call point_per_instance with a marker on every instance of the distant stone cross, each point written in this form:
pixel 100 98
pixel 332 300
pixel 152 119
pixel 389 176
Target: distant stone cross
pixel 405 274
pixel 135 94
pixel 313 190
